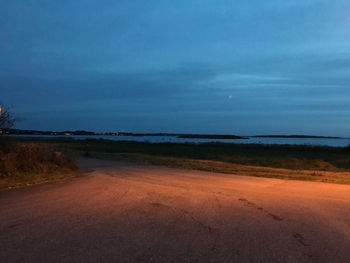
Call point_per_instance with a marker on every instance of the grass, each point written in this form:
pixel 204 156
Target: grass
pixel 30 163
pixel 301 162
pixel 276 156
pixel 340 177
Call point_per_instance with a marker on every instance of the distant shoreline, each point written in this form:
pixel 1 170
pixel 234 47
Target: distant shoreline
pixel 297 136
pixel 209 136
pixel 178 135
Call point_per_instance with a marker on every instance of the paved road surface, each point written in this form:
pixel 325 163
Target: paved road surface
pixel 126 213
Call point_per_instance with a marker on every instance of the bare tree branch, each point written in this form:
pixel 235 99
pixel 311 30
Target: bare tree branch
pixel 6 119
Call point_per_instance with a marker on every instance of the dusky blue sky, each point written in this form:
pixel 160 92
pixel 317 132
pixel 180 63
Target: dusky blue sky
pixel 241 67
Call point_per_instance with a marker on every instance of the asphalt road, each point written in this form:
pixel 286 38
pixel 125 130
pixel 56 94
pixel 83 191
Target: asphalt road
pixel 127 213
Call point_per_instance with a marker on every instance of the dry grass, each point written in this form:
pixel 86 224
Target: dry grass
pixel 301 162
pixel 230 168
pixel 296 157
pixel 22 164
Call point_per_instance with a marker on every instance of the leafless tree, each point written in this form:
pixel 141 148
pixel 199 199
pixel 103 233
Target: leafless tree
pixel 6 119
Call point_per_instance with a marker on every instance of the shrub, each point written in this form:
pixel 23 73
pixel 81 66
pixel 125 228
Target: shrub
pixel 25 160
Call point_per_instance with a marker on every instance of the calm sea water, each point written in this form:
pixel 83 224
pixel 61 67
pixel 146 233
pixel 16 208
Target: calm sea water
pixel 158 139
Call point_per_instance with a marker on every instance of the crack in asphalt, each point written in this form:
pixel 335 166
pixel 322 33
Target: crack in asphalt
pixel 253 205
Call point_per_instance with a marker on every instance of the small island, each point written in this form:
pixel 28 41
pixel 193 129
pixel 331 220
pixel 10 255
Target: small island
pixel 210 136
pixel 296 136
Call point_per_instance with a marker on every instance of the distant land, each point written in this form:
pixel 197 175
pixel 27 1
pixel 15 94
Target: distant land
pixel 296 136
pixel 210 136
pixel 82 132
pixel 36 132
pixel 178 135
pixel 88 133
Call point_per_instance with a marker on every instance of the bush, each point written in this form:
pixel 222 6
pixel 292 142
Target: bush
pixel 25 160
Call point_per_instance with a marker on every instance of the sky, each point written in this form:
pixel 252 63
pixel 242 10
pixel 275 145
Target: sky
pixel 221 66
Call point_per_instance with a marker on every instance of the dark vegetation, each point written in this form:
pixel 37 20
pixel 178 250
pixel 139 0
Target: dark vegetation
pixel 296 157
pixel 302 162
pixel 28 163
pixel 313 163
pixel 278 156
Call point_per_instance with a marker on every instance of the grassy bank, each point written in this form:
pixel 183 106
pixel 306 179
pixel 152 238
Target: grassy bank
pixel 276 156
pixel 316 163
pixel 340 177
pixel 30 163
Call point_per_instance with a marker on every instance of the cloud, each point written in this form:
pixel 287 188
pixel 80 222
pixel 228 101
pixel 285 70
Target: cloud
pixel 136 62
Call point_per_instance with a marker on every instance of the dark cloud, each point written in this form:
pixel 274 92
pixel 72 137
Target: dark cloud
pixel 199 66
